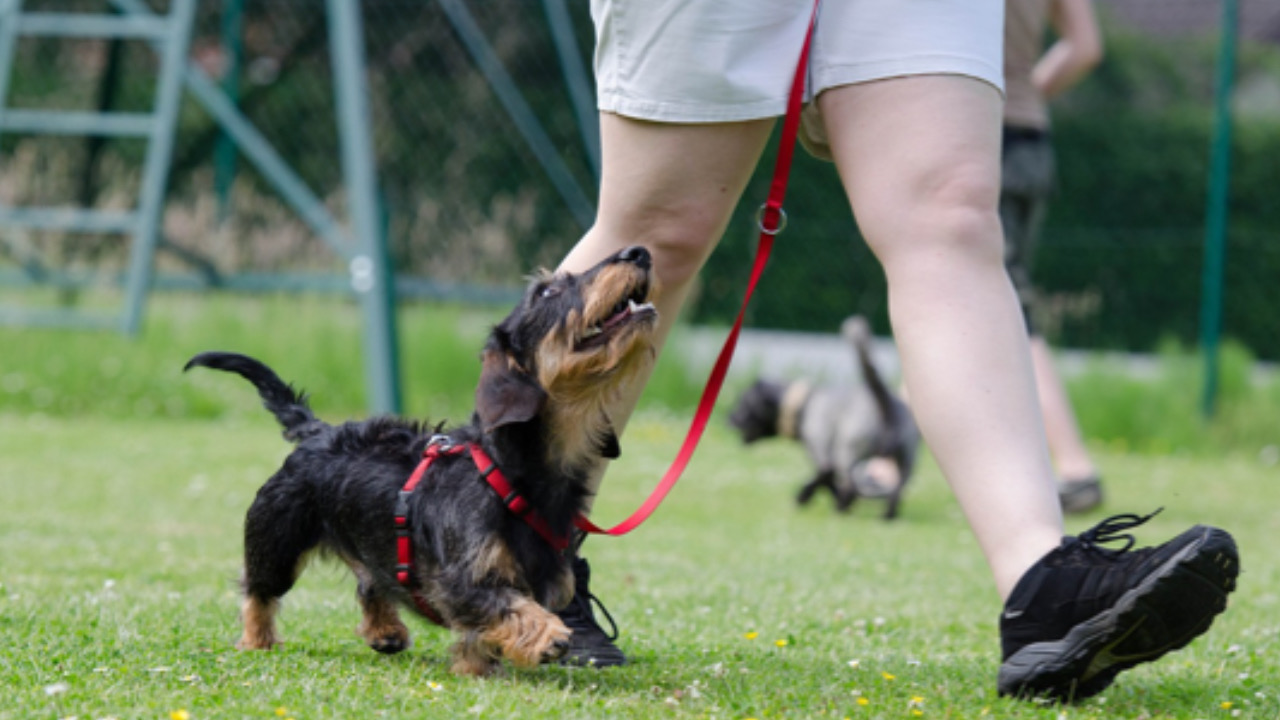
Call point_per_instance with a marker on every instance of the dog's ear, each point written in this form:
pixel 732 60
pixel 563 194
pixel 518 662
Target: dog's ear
pixel 505 394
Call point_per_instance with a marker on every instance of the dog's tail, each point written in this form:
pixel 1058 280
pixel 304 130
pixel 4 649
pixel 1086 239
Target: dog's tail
pixel 858 331
pixel 288 405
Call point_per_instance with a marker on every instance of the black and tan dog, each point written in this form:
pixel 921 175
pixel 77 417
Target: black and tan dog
pixel 482 558
pixel 844 429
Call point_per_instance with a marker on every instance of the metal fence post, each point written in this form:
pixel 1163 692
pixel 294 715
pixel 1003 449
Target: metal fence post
pixel 371 276
pixel 1215 237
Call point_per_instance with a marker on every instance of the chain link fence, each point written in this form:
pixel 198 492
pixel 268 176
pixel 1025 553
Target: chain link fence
pixel 475 196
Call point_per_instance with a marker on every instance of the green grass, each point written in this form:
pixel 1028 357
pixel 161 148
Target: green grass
pixel 120 545
pixel 123 485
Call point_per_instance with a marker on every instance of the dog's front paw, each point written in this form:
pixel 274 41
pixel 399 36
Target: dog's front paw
pixel 391 643
pixel 556 650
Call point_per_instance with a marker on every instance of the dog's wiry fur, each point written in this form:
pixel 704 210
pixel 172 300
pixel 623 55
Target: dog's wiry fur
pixel 842 428
pixel 548 371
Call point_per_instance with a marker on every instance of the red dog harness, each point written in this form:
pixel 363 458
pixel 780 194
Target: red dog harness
pixel 438 446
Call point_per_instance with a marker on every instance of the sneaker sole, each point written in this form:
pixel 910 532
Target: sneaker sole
pixel 1171 607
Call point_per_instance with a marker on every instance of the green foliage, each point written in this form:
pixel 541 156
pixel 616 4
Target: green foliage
pixel 1161 414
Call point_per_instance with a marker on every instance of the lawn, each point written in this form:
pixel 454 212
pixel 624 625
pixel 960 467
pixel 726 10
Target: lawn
pixel 119 545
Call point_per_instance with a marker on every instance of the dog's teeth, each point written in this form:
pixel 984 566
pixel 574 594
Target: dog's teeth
pixel 591 332
pixel 635 306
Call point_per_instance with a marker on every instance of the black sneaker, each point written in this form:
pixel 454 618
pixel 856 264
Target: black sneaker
pixel 1080 495
pixel 1083 613
pixel 590 645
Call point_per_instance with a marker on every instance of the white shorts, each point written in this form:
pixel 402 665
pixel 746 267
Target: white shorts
pixel 700 61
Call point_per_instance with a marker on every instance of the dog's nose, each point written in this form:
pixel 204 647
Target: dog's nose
pixel 637 255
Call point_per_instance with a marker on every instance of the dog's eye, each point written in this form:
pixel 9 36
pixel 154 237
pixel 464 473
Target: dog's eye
pixel 549 291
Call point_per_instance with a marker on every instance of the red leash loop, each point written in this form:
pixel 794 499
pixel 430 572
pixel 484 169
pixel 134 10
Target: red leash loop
pixel 772 220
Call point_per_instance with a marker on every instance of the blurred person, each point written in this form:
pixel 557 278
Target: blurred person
pixel 906 100
pixel 1033 75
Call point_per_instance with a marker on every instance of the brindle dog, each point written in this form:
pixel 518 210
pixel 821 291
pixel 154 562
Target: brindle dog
pixel 477 567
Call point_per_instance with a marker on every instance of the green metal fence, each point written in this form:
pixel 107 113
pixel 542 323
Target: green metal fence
pixel 483 142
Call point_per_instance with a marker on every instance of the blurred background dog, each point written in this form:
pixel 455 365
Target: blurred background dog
pixel 862 439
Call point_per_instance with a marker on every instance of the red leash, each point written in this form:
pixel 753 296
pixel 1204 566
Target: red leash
pixel 772 220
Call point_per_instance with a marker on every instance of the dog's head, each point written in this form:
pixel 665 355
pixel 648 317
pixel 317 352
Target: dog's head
pixel 756 413
pixel 566 350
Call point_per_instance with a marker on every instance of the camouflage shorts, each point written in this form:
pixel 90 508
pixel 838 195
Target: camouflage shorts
pixel 1027 172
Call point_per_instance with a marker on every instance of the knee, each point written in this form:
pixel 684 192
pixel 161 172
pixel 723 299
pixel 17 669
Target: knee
pixel 951 217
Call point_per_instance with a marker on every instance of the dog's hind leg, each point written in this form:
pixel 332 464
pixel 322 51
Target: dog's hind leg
pixel 278 535
pixel 824 478
pixel 905 459
pixel 381 626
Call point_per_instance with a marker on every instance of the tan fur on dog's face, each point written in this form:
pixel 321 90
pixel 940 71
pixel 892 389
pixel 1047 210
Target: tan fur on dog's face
pixel 597 351
pixel 568 350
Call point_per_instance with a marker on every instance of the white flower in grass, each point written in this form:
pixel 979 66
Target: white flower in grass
pixel 854 664
pixel 56 689
pixel 435 686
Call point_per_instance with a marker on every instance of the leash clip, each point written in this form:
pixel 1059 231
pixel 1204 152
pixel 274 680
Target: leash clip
pixel 760 216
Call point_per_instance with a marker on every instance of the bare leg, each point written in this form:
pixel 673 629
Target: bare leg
pixel 1070 456
pixel 919 157
pixel 671 188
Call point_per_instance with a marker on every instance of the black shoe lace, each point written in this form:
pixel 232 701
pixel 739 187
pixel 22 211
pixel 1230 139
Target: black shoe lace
pixel 1111 530
pixel 583 598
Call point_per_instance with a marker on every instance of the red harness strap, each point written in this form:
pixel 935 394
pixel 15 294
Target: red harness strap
pixel 771 220
pixel 514 501
pixel 489 470
pixel 404 543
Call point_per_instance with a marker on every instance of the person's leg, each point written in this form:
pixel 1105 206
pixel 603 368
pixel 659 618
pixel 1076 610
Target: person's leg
pixel 919 157
pixel 919 160
pixel 1026 182
pixel 671 188
pixel 1070 456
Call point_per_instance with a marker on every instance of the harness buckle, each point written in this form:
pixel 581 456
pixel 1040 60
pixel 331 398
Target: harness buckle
pixel 402 507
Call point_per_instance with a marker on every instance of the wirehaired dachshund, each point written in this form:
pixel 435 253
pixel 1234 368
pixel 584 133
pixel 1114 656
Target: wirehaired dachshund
pixel 483 559
pixel 842 428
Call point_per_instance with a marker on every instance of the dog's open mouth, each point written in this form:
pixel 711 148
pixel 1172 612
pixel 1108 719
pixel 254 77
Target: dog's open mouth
pixel 632 308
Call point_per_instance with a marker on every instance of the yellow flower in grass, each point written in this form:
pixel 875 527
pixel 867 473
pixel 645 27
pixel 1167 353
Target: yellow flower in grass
pixel 780 643
pixel 863 701
pixel 179 715
pixel 1226 705
pixel 888 676
pixel 751 635
pixel 282 711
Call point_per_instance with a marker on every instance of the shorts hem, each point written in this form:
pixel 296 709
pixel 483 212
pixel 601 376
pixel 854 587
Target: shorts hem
pixel 822 79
